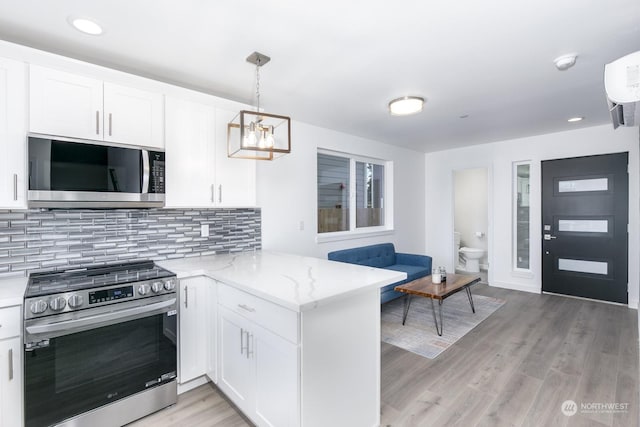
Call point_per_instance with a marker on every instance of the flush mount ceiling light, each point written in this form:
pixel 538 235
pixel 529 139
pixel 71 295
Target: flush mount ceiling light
pixel 575 119
pixel 565 62
pixel 258 135
pixel 406 105
pixel 85 25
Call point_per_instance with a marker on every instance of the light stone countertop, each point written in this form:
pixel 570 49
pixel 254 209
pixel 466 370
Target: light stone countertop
pixel 12 291
pixel 296 282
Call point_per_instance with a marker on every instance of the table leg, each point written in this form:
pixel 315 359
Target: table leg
pixel 470 299
pixel 435 320
pixel 407 304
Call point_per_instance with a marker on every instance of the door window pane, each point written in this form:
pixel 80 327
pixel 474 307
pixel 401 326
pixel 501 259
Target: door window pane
pixel 333 193
pixel 581 266
pixel 580 185
pixel 584 226
pixel 369 194
pixel 521 184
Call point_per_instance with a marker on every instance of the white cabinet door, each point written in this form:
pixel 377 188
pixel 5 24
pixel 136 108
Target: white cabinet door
pixel 276 386
pixel 10 383
pixel 133 116
pixel 192 338
pixel 235 178
pixel 190 139
pixel 236 373
pixel 212 335
pixel 13 129
pixel 65 104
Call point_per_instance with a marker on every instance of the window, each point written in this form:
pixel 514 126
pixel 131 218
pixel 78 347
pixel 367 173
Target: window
pixel 521 215
pixel 351 194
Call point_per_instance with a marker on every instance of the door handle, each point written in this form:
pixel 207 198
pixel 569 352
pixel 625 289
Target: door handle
pixel 241 341
pixel 10 364
pixel 249 351
pixel 549 237
pixel 186 297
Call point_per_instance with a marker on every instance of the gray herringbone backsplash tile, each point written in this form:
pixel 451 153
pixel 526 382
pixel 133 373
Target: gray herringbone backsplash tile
pixel 35 239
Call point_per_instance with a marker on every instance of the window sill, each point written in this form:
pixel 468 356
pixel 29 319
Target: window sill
pixel 349 235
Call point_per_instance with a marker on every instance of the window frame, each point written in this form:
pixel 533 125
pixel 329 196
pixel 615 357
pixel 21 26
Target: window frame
pixel 387 200
pixel 514 218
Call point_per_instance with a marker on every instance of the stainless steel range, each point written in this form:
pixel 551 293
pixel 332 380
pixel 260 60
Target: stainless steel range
pixel 100 345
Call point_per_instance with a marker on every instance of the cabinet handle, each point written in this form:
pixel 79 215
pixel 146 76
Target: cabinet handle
pixel 110 120
pixel 186 297
pixel 97 122
pixel 247 308
pixel 241 341
pixel 249 351
pixel 10 364
pixel 15 186
pixel 213 193
pixel 220 193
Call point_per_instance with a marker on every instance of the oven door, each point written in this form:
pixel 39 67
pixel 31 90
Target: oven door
pixel 79 361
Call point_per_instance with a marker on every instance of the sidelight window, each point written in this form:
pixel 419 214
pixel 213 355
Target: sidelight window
pixel 521 216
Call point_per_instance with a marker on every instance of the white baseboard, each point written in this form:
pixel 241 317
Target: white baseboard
pixel 196 382
pixel 515 287
pixel 633 303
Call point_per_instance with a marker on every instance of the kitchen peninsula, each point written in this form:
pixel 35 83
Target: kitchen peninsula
pixel 291 340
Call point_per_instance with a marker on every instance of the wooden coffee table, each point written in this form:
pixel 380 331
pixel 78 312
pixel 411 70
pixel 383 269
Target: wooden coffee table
pixel 424 287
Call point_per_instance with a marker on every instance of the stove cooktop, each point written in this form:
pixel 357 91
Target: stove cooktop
pixel 54 282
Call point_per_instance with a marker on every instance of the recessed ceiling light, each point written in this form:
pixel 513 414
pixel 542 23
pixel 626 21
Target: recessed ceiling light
pixel 575 119
pixel 406 105
pixel 86 26
pixel 565 62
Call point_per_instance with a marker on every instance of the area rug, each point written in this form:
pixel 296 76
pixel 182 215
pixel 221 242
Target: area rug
pixel 419 335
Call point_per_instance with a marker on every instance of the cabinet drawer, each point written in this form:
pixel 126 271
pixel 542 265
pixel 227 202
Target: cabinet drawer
pixel 10 322
pixel 273 317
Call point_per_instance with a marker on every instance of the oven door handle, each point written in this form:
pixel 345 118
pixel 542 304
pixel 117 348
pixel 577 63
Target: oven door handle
pixel 71 326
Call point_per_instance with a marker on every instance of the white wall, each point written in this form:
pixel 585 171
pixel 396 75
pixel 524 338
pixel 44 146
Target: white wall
pixel 471 208
pixel 499 158
pixel 287 193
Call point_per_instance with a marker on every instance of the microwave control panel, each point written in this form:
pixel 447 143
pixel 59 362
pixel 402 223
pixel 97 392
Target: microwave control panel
pixel 156 179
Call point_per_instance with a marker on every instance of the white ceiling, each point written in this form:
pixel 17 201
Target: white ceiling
pixel 337 63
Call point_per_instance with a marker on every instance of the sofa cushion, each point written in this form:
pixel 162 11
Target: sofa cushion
pixel 381 255
pixel 413 271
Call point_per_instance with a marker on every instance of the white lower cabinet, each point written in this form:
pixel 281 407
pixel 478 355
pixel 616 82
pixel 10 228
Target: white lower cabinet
pixel 258 369
pixel 10 367
pixel 193 326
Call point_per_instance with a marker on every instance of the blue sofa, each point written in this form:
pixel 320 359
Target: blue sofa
pixel 384 255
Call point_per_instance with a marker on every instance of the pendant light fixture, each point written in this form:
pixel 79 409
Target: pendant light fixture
pixel 256 134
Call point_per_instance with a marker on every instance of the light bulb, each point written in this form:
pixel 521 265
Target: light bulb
pixel 252 134
pixel 262 143
pixel 270 140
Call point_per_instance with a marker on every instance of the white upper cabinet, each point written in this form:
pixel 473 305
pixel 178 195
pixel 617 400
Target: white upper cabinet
pixel 190 132
pixel 67 104
pixel 132 116
pixel 198 171
pixel 235 178
pixel 13 129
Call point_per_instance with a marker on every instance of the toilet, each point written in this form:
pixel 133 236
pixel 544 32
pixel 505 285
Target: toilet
pixel 470 256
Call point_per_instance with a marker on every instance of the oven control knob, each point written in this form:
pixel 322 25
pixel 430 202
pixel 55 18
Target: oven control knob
pixel 170 285
pixel 75 301
pixel 157 286
pixel 58 303
pixel 38 306
pixel 143 289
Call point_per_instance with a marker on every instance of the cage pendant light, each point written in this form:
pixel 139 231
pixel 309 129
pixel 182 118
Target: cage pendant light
pixel 255 134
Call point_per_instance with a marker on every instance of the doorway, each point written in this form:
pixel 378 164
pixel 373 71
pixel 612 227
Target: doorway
pixel 585 212
pixel 471 222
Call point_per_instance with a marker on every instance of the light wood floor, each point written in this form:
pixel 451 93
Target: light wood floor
pixel 514 369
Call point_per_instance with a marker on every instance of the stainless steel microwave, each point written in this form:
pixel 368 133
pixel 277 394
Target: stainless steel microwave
pixel 74 173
